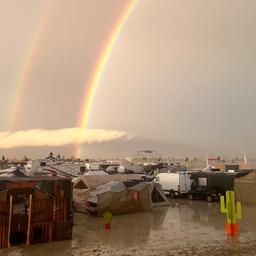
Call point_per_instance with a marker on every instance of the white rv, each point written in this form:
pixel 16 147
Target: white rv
pixel 174 184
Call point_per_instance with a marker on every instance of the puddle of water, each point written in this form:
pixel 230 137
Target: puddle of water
pixel 183 228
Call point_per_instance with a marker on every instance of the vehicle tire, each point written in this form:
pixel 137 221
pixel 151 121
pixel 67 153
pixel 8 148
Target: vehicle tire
pixel 190 197
pixel 172 194
pixel 209 198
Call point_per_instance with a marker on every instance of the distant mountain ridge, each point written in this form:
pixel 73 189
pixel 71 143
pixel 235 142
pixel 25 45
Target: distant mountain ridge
pixel 116 148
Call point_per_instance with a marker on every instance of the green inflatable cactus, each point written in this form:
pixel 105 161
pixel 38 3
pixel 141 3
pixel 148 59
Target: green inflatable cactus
pixel 233 211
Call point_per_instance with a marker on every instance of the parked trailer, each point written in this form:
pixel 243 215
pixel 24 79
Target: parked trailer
pixel 210 186
pixel 174 184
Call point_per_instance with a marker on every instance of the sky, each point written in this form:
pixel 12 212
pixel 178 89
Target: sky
pixel 180 78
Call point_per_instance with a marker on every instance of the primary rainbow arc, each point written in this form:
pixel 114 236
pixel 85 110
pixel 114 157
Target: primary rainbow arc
pixel 92 84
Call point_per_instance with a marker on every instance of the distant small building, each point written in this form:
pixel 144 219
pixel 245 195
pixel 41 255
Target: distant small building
pixel 232 167
pixel 225 167
pixel 147 157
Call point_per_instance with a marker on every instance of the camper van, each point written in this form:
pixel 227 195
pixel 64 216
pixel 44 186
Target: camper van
pixel 174 184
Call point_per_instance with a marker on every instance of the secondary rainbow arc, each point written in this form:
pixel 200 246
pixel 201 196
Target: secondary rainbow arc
pixel 21 84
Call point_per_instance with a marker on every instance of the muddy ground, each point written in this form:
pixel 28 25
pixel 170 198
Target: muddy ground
pixel 184 228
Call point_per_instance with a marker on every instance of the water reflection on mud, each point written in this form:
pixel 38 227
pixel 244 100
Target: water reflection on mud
pixel 183 228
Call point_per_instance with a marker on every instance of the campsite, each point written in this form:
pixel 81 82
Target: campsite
pixel 55 206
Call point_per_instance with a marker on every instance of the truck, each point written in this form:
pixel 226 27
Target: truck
pixel 210 185
pixel 174 184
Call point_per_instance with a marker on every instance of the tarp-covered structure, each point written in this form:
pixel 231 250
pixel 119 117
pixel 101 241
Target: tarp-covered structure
pixel 125 197
pixel 12 172
pixel 86 183
pixel 245 189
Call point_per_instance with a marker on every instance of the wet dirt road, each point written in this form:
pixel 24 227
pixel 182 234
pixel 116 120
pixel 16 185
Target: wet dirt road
pixel 183 228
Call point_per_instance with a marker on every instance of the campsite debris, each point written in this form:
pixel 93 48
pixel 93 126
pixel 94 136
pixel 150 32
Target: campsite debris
pixel 232 214
pixel 107 217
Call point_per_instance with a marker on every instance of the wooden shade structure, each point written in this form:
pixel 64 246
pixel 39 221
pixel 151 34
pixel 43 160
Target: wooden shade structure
pixel 35 210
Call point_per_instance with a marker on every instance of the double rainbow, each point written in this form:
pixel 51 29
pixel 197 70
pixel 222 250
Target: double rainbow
pixel 22 83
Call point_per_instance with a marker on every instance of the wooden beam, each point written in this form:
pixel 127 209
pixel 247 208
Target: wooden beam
pixel 29 219
pixel 10 222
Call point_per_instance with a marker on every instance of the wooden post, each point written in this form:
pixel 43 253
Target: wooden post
pixel 54 210
pixel 53 228
pixel 29 219
pixel 51 223
pixel 10 222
